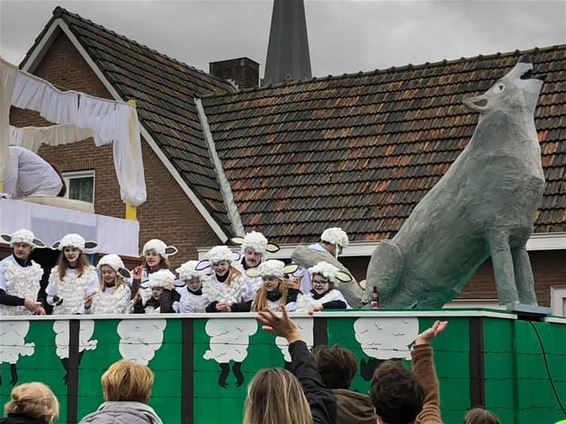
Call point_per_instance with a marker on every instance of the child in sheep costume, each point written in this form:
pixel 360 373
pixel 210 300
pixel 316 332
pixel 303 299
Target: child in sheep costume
pixel 20 277
pixel 113 296
pixel 192 300
pixel 163 295
pixel 332 242
pixel 324 296
pixel 226 286
pixel 155 256
pixel 73 278
pixel 253 251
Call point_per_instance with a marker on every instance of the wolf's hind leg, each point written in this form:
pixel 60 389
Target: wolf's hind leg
pixel 503 268
pixel 524 276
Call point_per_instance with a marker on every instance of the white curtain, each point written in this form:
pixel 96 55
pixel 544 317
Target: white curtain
pixel 106 120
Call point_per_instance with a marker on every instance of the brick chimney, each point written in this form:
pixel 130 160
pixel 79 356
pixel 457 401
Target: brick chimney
pixel 242 71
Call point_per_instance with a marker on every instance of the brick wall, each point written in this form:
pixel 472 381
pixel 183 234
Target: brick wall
pixel 168 213
pixel 548 268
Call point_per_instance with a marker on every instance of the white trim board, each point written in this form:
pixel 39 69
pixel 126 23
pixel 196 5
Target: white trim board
pixel 145 134
pixel 450 313
pixel 537 242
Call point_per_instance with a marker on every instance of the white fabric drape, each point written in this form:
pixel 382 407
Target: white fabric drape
pixel 8 74
pixel 108 121
pixel 31 92
pixel 32 138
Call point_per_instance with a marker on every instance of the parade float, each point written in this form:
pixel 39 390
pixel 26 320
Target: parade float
pixel 510 361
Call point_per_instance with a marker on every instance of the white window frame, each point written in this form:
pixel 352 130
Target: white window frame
pixel 68 176
pixel 558 300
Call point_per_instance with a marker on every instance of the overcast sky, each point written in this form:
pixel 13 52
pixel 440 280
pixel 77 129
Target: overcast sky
pixel 345 36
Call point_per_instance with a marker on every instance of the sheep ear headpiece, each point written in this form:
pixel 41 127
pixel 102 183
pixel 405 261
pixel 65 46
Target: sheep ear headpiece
pixel 76 241
pixel 221 253
pixel 189 271
pixel 270 268
pixel 331 273
pixel 160 278
pixel 159 247
pixel 115 262
pixel 255 241
pixel 22 236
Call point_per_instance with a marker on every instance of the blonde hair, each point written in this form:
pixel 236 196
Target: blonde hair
pixel 127 381
pixel 118 280
pixel 276 396
pixel 233 275
pixel 35 400
pixel 63 264
pixel 260 301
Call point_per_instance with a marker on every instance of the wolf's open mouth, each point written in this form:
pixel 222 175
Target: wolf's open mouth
pixel 531 75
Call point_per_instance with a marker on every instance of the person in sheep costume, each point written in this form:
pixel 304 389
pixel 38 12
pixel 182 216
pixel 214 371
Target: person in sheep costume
pixel 73 278
pixel 192 300
pixel 163 294
pixel 226 286
pixel 324 296
pixel 20 277
pixel 113 296
pixel 19 287
pixel 155 256
pixel 253 251
pixel 332 242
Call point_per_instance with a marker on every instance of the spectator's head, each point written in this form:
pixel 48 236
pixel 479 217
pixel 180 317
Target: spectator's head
pixel 35 400
pixel 480 416
pixel 127 381
pixel 275 396
pixel 395 394
pixel 337 366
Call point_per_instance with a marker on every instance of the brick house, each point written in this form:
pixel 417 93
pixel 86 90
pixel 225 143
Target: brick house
pixel 357 151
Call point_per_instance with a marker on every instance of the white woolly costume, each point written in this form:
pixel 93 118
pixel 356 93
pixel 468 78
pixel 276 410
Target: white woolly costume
pixel 219 291
pixel 113 300
pixel 310 300
pixel 190 301
pixel 17 280
pixel 72 288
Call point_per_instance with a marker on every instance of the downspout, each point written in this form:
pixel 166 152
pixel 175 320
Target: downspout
pixel 225 188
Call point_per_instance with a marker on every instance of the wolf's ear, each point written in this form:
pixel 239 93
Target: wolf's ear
pixel 6 238
pixel 290 269
pixel 344 277
pixel 272 248
pixel 237 240
pixel 55 246
pixel 252 272
pixel 171 250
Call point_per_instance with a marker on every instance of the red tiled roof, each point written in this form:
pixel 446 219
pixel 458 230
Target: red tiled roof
pixel 359 151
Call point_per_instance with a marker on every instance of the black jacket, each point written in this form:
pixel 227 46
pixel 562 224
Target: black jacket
pixel 20 419
pixel 321 399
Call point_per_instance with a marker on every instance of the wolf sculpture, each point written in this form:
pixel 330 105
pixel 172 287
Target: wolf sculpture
pixel 483 206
